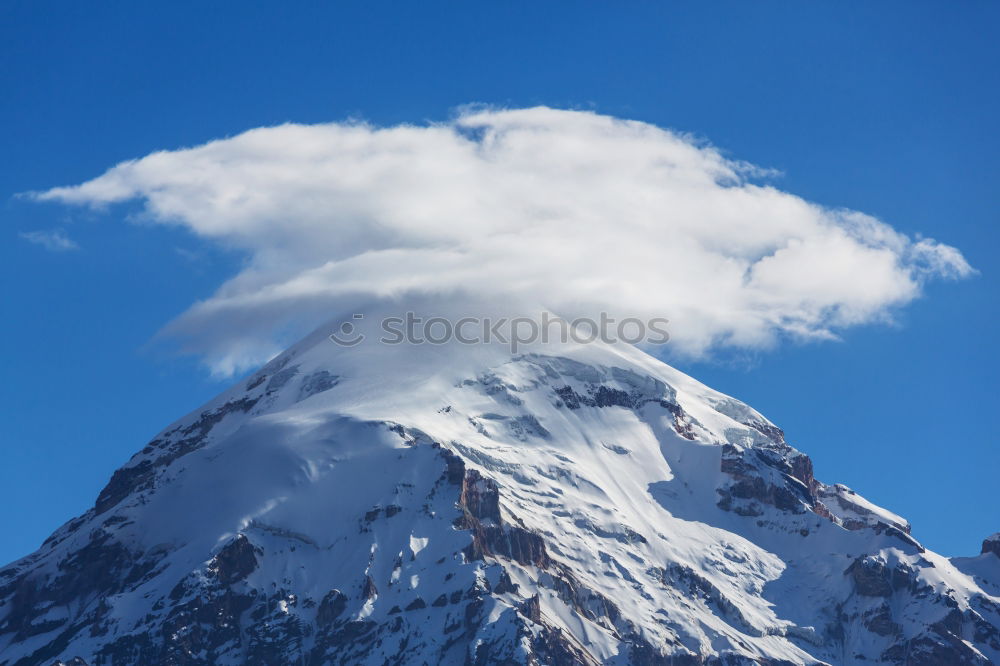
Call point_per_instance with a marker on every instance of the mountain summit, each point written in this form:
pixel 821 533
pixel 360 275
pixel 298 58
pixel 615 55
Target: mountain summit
pixel 459 504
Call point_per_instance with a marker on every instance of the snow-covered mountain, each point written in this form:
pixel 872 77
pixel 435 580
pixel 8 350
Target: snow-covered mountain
pixel 453 504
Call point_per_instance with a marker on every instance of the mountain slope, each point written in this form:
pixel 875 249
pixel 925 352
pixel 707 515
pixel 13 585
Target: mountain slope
pixel 573 504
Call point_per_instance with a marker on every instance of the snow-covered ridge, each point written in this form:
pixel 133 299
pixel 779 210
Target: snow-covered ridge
pixel 574 504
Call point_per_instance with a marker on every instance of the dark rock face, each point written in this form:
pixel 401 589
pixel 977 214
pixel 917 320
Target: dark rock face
pixel 505 585
pixel 491 537
pixel 891 587
pixel 317 382
pixel 765 477
pixel 368 589
pixel 203 624
pixel 235 561
pixel 480 498
pixel 779 476
pixel 772 432
pixel 175 444
pixel 880 621
pixel 416 604
pixel 680 577
pixel 123 482
pixel 99 569
pixel 992 545
pixel 871 577
pixel 935 650
pixel 601 396
pixel 455 469
pixel 331 607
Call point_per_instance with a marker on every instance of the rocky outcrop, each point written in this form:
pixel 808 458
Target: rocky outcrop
pixel 888 593
pixel 599 395
pixel 935 650
pixel 491 535
pixel 480 499
pixel 871 576
pixel 763 477
pixel 101 568
pixel 779 476
pixel 332 606
pixel 317 382
pixel 992 545
pixel 140 474
pixel 236 560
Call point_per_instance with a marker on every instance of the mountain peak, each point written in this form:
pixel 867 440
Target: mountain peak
pixel 566 503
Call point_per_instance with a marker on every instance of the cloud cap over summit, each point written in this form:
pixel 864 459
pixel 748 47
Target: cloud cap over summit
pixel 571 210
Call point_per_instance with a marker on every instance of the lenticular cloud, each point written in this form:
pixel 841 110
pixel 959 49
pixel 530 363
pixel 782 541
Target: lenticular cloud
pixel 573 211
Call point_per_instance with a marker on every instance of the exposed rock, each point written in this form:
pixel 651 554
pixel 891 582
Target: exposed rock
pixel 505 585
pixel 368 589
pixel 879 621
pixel 532 609
pixel 235 561
pixel 317 382
pixel 480 499
pixel 871 577
pixel 140 475
pixel 767 478
pixel 600 396
pixel 992 545
pixel 331 607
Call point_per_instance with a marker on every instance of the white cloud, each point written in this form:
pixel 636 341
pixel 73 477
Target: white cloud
pixel 54 240
pixel 574 210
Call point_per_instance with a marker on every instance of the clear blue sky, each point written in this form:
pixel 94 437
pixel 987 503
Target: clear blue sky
pixel 888 107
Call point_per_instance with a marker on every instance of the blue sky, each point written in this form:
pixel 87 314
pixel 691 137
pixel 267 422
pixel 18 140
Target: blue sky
pixel 886 108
